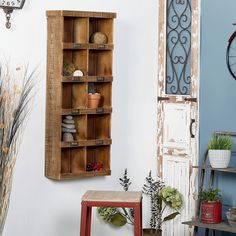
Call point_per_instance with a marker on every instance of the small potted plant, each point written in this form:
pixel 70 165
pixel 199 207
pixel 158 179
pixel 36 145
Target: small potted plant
pixel 231 216
pixel 211 206
pixel 219 151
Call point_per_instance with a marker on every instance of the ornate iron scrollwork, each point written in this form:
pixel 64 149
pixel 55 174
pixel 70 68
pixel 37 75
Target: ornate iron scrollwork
pixel 178 48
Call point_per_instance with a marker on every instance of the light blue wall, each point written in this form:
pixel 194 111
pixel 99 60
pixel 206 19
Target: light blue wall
pixel 217 87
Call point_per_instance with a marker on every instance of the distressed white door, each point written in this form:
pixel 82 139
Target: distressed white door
pixel 178 79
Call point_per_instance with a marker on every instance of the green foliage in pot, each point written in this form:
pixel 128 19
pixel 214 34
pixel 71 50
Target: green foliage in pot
pixel 210 195
pixel 160 198
pixel 118 216
pixel 221 143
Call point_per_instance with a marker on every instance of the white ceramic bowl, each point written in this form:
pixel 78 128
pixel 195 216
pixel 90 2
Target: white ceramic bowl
pixel 231 219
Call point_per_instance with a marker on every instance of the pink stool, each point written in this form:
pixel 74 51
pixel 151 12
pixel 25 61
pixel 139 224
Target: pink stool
pixel 110 199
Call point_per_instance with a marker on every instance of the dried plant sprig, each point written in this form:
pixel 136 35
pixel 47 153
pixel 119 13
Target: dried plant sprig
pixel 15 104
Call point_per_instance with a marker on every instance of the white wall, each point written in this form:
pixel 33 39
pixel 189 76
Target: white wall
pixel 41 207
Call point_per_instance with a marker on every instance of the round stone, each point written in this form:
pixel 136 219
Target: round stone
pixel 68 126
pixel 68 130
pixel 68 137
pixel 68 121
pixel 69 117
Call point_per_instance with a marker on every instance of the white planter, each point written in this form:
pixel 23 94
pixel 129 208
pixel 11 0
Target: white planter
pixel 219 158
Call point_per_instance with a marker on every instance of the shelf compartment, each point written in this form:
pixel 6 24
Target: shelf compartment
pixel 105 89
pixel 78 57
pixel 82 143
pixel 104 26
pixel 100 63
pixel 99 155
pixel 70 98
pixel 223 226
pixel 83 111
pixel 76 29
pixel 98 127
pixel 73 160
pixel 86 79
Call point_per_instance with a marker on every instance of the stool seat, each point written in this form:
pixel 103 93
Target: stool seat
pixel 112 196
pixel 94 198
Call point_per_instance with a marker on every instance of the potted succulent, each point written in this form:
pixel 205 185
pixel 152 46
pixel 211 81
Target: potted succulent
pixel 211 206
pixel 231 216
pixel 160 198
pixel 219 151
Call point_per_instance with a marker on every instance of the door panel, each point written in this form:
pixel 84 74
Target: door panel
pixel 176 127
pixel 178 89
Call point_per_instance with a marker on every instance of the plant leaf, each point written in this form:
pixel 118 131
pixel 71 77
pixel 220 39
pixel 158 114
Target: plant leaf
pixel 171 216
pixel 118 220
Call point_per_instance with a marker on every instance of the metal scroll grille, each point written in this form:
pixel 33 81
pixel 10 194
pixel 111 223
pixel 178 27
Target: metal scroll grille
pixel 178 48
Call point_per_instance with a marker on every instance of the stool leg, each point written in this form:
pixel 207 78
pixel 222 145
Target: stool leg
pixel 138 219
pixel 89 216
pixel 83 220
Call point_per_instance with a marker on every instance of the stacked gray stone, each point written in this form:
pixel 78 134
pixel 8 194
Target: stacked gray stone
pixel 68 128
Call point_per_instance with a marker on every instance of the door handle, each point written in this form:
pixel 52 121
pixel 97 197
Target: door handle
pixel 191 128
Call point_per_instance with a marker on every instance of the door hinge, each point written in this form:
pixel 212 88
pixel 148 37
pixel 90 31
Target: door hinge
pixel 162 99
pixel 190 99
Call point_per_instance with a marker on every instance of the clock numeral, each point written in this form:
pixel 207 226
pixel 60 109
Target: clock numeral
pixel 8 4
pixel 18 1
pixel 3 2
pixel 12 3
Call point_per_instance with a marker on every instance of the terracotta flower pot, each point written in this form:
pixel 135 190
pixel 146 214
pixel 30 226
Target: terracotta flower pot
pixel 151 232
pixel 211 212
pixel 93 100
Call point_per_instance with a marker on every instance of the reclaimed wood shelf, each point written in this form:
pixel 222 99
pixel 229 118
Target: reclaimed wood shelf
pixel 69 34
pixel 91 46
pixel 82 143
pixel 83 174
pixel 223 226
pixel 86 79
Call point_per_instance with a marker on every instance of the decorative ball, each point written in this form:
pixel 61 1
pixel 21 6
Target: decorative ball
pixel 98 38
pixel 68 68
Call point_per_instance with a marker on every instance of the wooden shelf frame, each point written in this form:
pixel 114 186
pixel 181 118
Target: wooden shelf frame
pixel 223 226
pixel 69 39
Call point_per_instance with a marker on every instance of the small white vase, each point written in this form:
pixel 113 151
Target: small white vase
pixel 219 158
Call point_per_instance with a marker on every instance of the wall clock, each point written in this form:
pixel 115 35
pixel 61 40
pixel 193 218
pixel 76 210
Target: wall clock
pixel 9 6
pixel 231 54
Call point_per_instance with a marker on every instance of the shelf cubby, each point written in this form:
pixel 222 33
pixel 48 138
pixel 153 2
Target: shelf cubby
pixel 100 63
pixel 76 30
pixel 88 155
pixel 101 25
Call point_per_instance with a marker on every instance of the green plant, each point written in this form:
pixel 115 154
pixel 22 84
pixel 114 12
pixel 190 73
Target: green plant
pixel 118 216
pixel 210 195
pixel 160 198
pixel 221 143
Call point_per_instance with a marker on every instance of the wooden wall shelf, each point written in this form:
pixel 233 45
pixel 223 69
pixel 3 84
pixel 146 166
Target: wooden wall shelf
pixel 69 35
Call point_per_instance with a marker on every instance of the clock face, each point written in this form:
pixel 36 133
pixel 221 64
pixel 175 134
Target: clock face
pixel 12 3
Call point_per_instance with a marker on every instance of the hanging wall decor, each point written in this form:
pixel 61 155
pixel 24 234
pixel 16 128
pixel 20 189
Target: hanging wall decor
pixel 9 6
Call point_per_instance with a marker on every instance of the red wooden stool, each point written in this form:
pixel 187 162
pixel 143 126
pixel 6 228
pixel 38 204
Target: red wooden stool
pixel 110 199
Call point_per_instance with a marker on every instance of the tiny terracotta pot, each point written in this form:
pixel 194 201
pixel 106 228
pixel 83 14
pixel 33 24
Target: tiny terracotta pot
pixel 151 232
pixel 211 212
pixel 93 100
